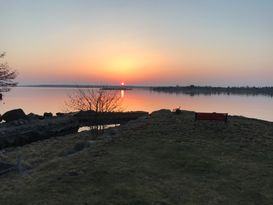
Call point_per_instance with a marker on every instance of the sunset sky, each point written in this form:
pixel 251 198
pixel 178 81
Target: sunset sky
pixel 139 42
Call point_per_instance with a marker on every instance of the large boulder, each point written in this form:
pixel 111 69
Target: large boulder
pixel 34 130
pixel 13 115
pixel 162 113
pixel 93 118
pixel 48 115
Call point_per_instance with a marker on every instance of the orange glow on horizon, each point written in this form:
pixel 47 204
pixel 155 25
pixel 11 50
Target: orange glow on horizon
pixel 116 61
pixel 109 63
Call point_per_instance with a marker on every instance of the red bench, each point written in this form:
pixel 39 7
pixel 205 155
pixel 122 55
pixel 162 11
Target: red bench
pixel 211 116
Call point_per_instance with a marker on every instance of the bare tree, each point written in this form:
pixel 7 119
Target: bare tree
pixel 7 76
pixel 96 100
pixel 99 101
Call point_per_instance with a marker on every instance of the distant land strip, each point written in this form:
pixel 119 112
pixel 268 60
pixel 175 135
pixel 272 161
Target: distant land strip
pixel 189 90
pixel 209 90
pixel 84 86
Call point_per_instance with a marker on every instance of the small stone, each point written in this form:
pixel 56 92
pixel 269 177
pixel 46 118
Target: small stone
pixel 92 142
pixel 59 114
pixel 48 114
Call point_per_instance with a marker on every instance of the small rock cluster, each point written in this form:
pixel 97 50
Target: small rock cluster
pixel 19 115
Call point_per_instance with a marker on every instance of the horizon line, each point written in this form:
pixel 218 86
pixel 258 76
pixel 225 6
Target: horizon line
pixel 134 86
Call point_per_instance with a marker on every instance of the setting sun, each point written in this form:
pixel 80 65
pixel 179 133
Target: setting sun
pixel 122 84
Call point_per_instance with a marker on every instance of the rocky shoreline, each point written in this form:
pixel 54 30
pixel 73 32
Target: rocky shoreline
pixel 21 129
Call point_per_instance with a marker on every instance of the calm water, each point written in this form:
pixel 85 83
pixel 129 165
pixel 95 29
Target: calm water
pixel 40 100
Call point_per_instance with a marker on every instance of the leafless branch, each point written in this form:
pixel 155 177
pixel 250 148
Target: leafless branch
pixel 96 100
pixel 7 76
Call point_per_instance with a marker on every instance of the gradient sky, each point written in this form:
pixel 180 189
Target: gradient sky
pixel 147 42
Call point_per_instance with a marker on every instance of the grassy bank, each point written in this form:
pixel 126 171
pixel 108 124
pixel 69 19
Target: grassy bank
pixel 166 159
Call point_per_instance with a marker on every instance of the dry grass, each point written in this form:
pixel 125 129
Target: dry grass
pixel 168 159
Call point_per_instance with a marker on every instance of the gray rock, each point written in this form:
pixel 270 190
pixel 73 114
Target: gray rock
pixel 19 122
pixel 32 116
pixel 161 112
pixel 178 111
pixel 48 115
pixel 13 115
pixel 92 142
pixel 106 118
pixel 19 134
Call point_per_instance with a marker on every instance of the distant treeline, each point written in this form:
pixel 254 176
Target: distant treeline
pixel 105 87
pixel 209 90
